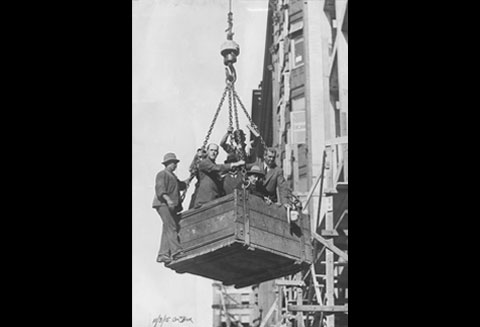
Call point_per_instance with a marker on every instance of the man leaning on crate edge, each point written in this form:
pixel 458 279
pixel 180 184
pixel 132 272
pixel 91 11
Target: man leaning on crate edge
pixel 168 204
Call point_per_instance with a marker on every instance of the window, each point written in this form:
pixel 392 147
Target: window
pixel 298 119
pixel 298 104
pixel 299 131
pixel 297 52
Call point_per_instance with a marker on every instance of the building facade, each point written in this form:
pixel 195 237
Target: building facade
pixel 304 113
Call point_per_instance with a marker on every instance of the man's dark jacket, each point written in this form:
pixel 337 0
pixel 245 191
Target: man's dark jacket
pixel 210 186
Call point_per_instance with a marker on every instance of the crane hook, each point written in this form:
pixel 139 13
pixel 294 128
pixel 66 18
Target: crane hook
pixel 231 74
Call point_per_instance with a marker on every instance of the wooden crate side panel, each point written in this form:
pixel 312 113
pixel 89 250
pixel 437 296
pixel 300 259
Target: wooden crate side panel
pixel 191 219
pixel 207 230
pixel 272 225
pixel 276 212
pixel 276 226
pixel 280 245
pixel 271 241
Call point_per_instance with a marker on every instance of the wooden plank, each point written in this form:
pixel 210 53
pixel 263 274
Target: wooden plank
pixel 337 140
pixel 338 174
pixel 300 322
pixel 246 217
pixel 320 193
pixel 280 244
pixel 345 165
pixel 345 212
pixel 269 314
pixel 312 189
pixel 318 308
pixel 217 204
pixel 232 306
pixel 275 227
pixel 329 245
pixel 336 263
pixel 329 268
pixel 190 245
pixel 333 233
pixel 286 282
pixel 316 285
pixel 203 230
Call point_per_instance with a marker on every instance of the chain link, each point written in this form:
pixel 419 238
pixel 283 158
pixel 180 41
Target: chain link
pixel 235 108
pixel 235 95
pixel 215 116
pixel 230 116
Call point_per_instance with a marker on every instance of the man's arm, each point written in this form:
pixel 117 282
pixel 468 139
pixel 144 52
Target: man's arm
pixel 283 189
pixel 223 142
pixel 208 166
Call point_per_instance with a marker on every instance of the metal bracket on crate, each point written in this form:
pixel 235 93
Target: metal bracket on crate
pixel 246 217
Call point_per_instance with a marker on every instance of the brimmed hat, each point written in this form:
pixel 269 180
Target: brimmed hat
pixel 255 170
pixel 169 157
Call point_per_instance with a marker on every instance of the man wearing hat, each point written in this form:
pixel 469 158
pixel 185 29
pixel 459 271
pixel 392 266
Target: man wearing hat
pixel 255 178
pixel 167 202
pixel 211 185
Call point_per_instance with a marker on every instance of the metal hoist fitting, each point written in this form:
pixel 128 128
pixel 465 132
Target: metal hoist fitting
pixel 230 50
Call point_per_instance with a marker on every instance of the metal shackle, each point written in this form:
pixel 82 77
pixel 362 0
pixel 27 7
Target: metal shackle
pixel 230 50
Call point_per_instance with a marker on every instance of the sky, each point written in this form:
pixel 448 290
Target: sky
pixel 178 78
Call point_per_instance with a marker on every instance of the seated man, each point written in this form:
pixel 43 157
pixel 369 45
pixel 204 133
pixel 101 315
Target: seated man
pixel 255 183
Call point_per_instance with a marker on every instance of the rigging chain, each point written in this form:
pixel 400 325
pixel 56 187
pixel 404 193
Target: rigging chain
pixel 230 116
pixel 215 117
pixel 235 95
pixel 235 111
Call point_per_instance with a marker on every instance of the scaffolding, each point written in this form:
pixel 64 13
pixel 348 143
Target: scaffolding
pixel 318 296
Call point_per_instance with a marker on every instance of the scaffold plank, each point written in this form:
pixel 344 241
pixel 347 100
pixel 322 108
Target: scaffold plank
pixel 333 233
pixel 331 247
pixel 286 282
pixel 318 308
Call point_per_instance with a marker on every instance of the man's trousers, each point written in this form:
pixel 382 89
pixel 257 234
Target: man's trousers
pixel 169 243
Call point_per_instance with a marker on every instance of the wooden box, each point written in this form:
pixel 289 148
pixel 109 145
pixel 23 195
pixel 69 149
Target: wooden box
pixel 240 240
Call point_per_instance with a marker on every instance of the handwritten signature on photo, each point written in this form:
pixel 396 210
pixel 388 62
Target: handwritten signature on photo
pixel 161 320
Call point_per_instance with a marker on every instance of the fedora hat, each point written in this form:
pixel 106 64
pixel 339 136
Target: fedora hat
pixel 169 157
pixel 255 170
